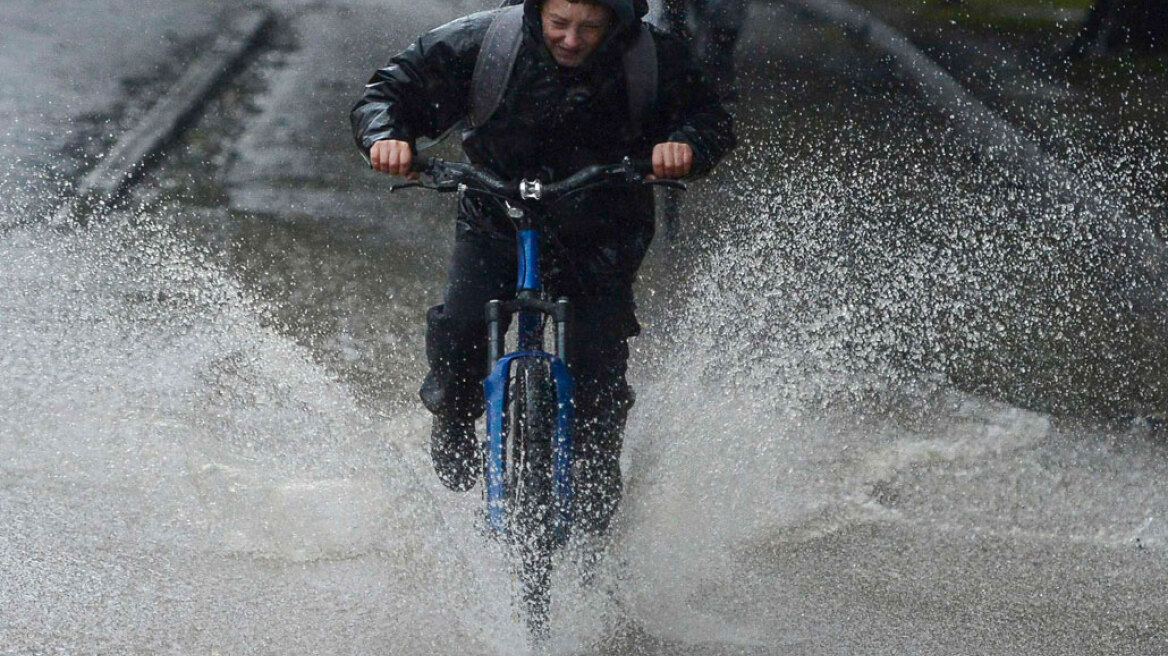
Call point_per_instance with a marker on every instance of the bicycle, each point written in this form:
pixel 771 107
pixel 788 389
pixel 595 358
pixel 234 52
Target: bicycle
pixel 527 453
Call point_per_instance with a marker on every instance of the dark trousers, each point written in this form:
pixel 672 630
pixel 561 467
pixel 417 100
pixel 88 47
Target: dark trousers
pixel 484 268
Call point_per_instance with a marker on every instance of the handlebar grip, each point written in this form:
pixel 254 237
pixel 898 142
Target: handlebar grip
pixel 642 166
pixel 419 163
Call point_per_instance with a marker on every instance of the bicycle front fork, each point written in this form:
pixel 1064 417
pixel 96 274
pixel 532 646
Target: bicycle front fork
pixel 530 311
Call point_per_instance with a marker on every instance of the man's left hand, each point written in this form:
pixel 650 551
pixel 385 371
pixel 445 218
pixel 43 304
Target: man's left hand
pixel 672 159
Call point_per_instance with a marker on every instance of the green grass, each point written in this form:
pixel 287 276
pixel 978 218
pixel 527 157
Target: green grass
pixel 1028 19
pixel 1024 4
pixel 995 6
pixel 1001 15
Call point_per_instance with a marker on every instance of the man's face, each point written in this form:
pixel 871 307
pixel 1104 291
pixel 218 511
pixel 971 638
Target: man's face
pixel 573 30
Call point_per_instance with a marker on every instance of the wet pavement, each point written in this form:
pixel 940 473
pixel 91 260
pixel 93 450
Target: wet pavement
pixel 210 440
pixel 75 74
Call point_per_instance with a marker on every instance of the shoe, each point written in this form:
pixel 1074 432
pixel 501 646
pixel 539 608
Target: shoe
pixel 454 451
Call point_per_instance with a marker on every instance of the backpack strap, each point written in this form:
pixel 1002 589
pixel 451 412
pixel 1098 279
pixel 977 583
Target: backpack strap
pixel 641 77
pixel 496 59
pixel 500 48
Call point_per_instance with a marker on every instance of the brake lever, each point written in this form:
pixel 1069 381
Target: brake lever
pixel 406 185
pixel 672 184
pixel 441 187
pixel 632 176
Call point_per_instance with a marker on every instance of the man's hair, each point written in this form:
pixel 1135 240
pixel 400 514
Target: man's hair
pixel 596 3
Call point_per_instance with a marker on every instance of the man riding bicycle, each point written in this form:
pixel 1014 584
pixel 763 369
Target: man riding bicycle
pixel 565 105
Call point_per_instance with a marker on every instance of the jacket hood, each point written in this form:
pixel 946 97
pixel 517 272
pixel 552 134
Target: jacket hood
pixel 626 13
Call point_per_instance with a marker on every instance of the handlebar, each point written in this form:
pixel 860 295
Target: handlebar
pixel 445 173
pixel 451 176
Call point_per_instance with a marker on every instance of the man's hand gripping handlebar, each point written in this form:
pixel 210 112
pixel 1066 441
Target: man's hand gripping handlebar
pixel 670 159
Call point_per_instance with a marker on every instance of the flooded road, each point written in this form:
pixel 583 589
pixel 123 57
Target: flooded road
pixel 853 431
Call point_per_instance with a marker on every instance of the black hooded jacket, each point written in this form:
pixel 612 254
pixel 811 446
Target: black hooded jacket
pixel 552 120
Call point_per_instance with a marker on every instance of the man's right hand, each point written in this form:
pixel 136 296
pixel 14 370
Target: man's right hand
pixel 392 156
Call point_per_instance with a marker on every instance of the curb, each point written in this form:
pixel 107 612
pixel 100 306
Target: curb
pixel 171 114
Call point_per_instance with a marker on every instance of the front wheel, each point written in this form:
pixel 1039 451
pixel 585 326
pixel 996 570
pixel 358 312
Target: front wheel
pixel 531 428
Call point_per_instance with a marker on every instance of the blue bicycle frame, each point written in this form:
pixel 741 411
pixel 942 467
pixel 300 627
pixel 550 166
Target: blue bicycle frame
pixel 530 308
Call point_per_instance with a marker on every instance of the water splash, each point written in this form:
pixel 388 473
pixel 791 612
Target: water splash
pixel 173 464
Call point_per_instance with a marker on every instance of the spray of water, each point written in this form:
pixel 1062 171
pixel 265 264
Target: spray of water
pixel 841 308
pixel 179 475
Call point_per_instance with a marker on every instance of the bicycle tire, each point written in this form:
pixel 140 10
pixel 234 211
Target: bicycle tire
pixel 531 426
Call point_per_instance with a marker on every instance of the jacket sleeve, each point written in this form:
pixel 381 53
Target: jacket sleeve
pixel 688 109
pixel 424 90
